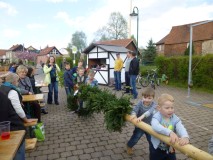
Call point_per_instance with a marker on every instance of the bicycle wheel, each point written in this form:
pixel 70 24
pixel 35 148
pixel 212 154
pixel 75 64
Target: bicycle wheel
pixel 144 82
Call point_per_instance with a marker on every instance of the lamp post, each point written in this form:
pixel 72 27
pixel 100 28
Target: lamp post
pixel 190 54
pixel 133 14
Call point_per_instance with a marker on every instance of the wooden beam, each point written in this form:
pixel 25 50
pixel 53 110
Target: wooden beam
pixel 188 149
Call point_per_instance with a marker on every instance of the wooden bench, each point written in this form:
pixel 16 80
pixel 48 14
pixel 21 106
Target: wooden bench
pixel 30 143
pixel 31 123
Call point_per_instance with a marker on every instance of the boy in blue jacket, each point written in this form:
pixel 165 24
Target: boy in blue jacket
pixel 167 123
pixel 68 79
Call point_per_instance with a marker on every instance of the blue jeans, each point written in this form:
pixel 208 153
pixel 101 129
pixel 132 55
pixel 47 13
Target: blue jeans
pixel 53 86
pixel 158 154
pixel 20 154
pixel 68 90
pixel 117 76
pixel 133 86
pixel 137 134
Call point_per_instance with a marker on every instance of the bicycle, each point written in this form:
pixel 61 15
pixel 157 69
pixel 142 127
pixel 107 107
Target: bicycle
pixel 151 79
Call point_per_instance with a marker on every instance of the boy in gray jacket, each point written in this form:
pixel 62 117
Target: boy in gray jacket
pixel 167 123
pixel 142 111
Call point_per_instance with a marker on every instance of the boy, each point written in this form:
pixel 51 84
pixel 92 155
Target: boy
pixel 80 79
pixel 68 79
pixel 91 80
pixel 167 123
pixel 142 111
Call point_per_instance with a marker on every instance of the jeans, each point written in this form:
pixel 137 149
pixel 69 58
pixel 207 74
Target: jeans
pixel 127 81
pixel 117 76
pixel 20 154
pixel 133 86
pixel 158 154
pixel 68 90
pixel 53 86
pixel 137 134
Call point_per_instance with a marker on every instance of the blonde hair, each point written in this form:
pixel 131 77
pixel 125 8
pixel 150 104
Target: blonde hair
pixel 165 97
pixel 21 68
pixel 11 77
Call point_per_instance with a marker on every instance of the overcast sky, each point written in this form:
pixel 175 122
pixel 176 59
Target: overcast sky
pixel 52 22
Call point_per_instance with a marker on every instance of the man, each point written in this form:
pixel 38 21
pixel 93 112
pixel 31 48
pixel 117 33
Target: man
pixel 117 72
pixel 133 72
pixel 127 64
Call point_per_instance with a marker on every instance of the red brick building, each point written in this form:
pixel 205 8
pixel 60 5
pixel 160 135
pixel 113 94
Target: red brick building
pixel 177 41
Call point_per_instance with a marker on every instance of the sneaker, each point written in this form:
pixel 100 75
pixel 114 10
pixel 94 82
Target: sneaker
pixel 44 112
pixel 129 151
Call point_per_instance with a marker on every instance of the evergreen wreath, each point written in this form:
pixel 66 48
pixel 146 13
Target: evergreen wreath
pixel 101 101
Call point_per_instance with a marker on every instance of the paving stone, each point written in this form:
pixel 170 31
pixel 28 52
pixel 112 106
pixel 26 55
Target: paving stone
pixel 85 157
pixel 53 156
pixel 44 157
pixel 74 138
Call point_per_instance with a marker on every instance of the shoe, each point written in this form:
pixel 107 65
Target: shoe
pixel 56 103
pixel 49 102
pixel 45 112
pixel 129 151
pixel 126 92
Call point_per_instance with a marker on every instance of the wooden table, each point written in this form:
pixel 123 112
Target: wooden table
pixel 39 85
pixel 33 97
pixel 8 148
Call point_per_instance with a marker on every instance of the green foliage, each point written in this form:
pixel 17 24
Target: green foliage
pixel 176 68
pixel 186 52
pixel 97 101
pixel 149 54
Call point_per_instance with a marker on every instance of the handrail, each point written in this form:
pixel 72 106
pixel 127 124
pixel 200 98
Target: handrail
pixel 188 149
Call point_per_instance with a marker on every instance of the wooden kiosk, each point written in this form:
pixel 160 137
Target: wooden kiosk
pixel 101 58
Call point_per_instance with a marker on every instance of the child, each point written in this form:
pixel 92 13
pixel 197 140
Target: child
pixel 13 67
pixel 80 79
pixel 167 123
pixel 142 111
pixel 68 79
pixel 91 80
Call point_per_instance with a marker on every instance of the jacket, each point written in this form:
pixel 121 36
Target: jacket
pixel 134 67
pixel 156 126
pixel 47 70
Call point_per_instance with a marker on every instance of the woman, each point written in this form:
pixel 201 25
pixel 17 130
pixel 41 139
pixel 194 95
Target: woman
pixel 26 88
pixel 51 70
pixel 30 75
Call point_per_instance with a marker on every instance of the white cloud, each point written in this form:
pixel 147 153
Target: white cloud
pixel 10 33
pixel 35 26
pixel 10 9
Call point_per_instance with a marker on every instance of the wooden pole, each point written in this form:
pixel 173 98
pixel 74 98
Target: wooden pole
pixel 188 149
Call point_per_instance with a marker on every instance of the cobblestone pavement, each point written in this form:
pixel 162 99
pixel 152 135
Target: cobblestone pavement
pixel 69 137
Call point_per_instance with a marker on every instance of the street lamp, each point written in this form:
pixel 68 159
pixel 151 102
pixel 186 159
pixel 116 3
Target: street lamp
pixel 133 14
pixel 190 54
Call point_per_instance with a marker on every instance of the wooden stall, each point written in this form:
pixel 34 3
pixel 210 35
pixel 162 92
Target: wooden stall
pixel 101 58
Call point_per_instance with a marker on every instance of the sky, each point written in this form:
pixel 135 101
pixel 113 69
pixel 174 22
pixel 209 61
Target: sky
pixel 39 23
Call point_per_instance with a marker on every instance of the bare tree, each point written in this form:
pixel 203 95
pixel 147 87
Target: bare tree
pixel 116 28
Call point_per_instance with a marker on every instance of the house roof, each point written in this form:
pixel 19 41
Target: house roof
pixel 117 42
pixel 47 50
pixel 108 48
pixel 31 48
pixel 181 34
pixel 14 47
pixel 3 52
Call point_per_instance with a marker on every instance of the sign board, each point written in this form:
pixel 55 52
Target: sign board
pixel 74 49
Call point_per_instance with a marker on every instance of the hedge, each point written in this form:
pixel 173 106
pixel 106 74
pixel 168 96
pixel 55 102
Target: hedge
pixel 176 68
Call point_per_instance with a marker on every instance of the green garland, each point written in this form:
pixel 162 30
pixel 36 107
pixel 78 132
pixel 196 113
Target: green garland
pixel 101 101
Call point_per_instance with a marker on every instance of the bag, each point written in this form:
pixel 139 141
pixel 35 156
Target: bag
pixel 39 132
